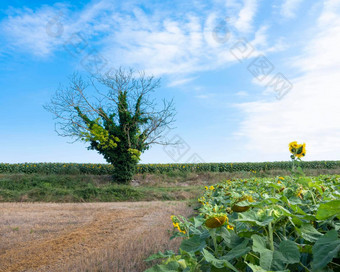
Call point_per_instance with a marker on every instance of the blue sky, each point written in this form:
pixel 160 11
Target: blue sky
pixel 247 76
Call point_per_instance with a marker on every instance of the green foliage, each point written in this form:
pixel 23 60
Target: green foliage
pixel 256 167
pixel 62 188
pixel 119 142
pixel 325 249
pixel 329 209
pixel 96 133
pixel 88 188
pixel 193 244
pixel 290 224
pixel 57 168
pixel 169 169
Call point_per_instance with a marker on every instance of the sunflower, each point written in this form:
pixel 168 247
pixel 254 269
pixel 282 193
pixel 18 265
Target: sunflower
pixel 216 220
pixel 293 146
pixel 181 228
pixel 237 208
pixel 298 150
pixel 178 224
pixel 301 152
pixel 299 194
pixel 230 227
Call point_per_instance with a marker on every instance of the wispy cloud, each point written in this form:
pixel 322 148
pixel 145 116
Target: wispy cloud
pixel 289 8
pixel 43 31
pixel 157 42
pixel 182 81
pixel 260 38
pixel 178 46
pixel 244 22
pixel 26 30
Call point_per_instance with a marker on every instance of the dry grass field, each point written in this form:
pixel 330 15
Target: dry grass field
pixel 85 236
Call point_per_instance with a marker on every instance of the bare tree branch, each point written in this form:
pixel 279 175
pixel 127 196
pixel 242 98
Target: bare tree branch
pixel 147 115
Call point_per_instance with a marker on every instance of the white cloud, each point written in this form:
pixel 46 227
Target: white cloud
pixel 260 38
pixel 28 30
pixel 45 30
pixel 158 42
pixel 180 46
pixel 331 12
pixel 244 22
pixel 182 81
pixel 310 112
pixel 289 8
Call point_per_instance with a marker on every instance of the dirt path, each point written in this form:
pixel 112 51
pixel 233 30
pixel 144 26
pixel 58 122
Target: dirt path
pixel 66 237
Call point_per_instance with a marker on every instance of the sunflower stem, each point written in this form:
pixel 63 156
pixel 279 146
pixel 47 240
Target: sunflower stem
pixel 312 194
pixel 306 269
pixel 215 245
pixel 271 236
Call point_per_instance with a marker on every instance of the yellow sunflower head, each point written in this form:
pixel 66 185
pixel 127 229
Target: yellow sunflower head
pixel 298 150
pixel 293 146
pixel 301 152
pixel 230 227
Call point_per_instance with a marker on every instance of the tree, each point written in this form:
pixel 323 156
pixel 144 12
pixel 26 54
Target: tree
pixel 120 120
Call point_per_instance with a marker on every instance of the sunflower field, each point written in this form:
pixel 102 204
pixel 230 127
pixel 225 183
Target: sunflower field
pixel 268 224
pixel 106 169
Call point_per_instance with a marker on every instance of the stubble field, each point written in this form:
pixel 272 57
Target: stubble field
pixel 85 236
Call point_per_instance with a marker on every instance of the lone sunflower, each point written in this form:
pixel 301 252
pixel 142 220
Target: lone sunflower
pixel 298 150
